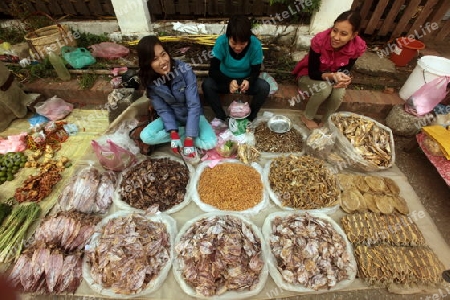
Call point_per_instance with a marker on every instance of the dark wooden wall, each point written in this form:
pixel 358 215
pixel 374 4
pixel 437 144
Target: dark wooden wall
pixel 160 9
pixel 59 8
pixel 394 18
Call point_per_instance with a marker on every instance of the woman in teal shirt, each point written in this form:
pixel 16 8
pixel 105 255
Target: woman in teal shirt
pixel 235 67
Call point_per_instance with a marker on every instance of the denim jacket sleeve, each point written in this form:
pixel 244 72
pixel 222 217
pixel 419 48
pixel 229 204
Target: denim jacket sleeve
pixel 163 109
pixel 193 103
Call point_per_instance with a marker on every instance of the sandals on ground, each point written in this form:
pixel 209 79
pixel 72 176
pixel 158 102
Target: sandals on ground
pixel 310 124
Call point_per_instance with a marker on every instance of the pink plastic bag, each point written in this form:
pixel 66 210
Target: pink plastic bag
pixel 14 143
pixel 112 156
pixel 427 97
pixel 109 50
pixel 239 109
pixel 54 108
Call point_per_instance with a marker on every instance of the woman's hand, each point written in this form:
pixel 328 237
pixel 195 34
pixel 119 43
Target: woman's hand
pixel 245 85
pixel 342 80
pixel 234 87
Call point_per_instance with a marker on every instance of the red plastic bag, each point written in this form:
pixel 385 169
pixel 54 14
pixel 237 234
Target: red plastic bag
pixel 109 50
pixel 427 97
pixel 112 156
pixel 54 108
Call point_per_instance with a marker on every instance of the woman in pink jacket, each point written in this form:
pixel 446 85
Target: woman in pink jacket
pixel 324 74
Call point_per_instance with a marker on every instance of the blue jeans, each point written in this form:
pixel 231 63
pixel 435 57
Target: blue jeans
pixel 211 90
pixel 155 133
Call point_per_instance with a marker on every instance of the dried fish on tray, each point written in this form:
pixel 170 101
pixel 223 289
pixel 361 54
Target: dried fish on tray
pixel 302 183
pixel 402 265
pixel 89 191
pixel 364 143
pixel 220 256
pixel 229 186
pixel 130 254
pixel 375 229
pixel 271 144
pixel 309 252
pixel 161 179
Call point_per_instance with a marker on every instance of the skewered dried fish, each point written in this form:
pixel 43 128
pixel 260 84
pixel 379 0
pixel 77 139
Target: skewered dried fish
pixel 52 264
pixel 40 269
pixel 219 254
pixel 66 230
pixel 303 182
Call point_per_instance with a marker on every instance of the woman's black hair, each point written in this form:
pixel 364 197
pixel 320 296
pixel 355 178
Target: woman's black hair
pixel 353 17
pixel 146 55
pixel 239 28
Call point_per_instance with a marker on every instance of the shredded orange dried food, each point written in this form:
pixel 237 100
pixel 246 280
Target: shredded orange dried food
pixel 230 186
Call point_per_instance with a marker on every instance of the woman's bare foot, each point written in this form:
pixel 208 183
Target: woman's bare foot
pixel 310 124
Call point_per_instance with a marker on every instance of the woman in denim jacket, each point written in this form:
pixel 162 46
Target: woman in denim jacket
pixel 172 89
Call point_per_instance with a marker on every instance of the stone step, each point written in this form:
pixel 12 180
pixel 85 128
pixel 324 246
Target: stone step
pixel 372 103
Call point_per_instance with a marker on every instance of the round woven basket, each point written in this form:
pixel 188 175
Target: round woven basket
pixel 53 36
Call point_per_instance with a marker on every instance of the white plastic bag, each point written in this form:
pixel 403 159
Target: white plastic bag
pixel 121 137
pixel 54 108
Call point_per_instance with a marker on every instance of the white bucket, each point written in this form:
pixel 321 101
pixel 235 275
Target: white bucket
pixel 428 67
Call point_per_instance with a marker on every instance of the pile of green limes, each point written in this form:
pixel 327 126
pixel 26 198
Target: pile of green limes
pixel 10 163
